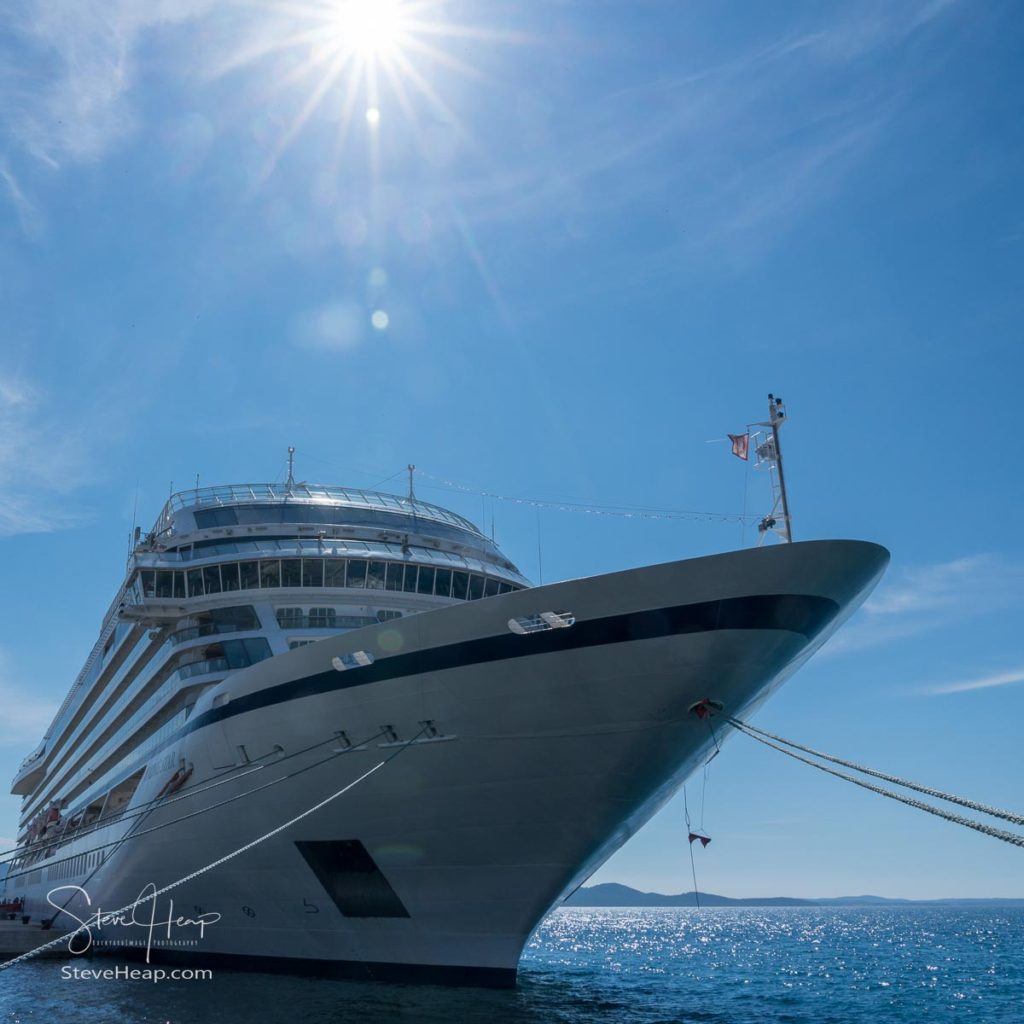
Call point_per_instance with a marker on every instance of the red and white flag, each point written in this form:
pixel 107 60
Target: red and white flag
pixel 740 445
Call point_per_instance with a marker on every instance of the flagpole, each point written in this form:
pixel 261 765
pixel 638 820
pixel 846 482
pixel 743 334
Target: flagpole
pixel 776 415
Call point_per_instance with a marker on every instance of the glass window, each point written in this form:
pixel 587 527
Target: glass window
pixel 476 587
pixel 354 621
pixel 491 587
pixel 229 576
pixel 164 583
pixel 503 588
pixel 426 582
pixel 229 619
pixel 211 578
pixel 289 618
pixel 335 572
pixel 216 517
pixel 375 576
pixel 270 574
pixel 195 582
pixel 357 573
pixel 460 584
pixel 249 572
pixel 395 571
pixel 322 618
pixel 410 579
pixel 240 653
pixel 148 583
pixel 312 572
pixel 291 572
pixel 443 586
pixel 179 584
pixel 256 649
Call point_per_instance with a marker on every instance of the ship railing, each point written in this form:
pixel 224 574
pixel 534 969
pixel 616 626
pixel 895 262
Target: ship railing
pixel 209 629
pixel 124 593
pixel 242 654
pixel 137 754
pixel 201 668
pixel 33 757
pixel 279 494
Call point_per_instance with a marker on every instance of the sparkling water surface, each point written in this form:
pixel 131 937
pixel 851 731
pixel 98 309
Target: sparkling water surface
pixel 650 966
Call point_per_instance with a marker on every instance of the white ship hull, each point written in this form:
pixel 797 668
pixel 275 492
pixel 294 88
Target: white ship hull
pixel 553 748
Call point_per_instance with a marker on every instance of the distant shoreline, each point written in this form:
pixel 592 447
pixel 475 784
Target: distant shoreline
pixel 612 894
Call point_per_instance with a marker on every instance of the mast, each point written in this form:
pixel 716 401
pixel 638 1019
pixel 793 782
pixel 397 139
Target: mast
pixel 777 416
pixel 769 456
pixel 412 469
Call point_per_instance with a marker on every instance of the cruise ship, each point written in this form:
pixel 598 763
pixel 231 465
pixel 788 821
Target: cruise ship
pixel 364 745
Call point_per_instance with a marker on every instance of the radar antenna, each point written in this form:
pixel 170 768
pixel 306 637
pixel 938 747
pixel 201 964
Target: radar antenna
pixel 290 482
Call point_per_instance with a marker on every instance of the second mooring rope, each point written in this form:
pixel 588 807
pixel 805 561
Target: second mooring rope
pixel 977 826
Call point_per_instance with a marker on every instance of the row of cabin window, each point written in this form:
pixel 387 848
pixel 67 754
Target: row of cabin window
pixel 321 572
pixel 328 618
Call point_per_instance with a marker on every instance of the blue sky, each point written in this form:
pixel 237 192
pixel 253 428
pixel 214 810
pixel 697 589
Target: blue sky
pixel 600 233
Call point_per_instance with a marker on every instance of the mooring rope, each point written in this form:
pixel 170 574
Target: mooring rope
pixel 995 812
pixel 191 814
pixel 221 860
pixel 101 823
pixel 978 826
pixel 163 801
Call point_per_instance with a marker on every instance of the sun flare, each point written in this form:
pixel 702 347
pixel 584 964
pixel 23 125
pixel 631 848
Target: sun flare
pixel 389 60
pixel 370 28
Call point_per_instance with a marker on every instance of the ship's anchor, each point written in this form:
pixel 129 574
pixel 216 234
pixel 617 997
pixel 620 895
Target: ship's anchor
pixel 707 708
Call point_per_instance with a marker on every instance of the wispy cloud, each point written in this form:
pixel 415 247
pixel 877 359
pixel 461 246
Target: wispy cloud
pixel 26 211
pixel 920 599
pixel 733 155
pixel 67 86
pixel 872 26
pixel 944 585
pixel 986 682
pixel 41 461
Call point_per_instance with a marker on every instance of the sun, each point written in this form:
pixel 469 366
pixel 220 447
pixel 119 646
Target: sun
pixel 360 58
pixel 372 29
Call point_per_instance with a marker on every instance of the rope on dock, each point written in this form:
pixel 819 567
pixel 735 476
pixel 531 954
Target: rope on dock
pixel 977 826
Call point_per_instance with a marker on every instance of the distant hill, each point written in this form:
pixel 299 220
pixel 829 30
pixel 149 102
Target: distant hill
pixel 611 894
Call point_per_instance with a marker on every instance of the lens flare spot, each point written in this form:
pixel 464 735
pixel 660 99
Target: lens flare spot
pixel 390 640
pixel 380 320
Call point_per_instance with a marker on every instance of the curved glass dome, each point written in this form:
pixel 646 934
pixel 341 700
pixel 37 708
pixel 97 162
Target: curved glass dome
pixel 299 495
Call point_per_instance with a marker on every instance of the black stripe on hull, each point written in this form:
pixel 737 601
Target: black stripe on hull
pixel 804 614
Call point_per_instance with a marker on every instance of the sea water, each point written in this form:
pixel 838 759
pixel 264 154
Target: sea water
pixel 597 966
